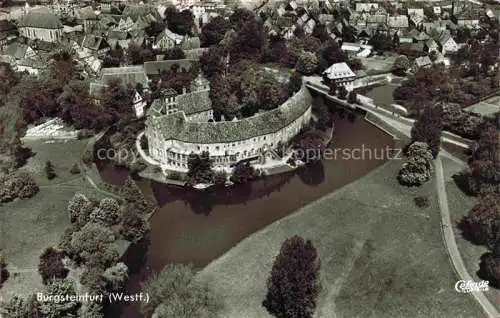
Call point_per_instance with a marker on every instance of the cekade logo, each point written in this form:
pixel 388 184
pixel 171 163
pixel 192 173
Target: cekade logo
pixel 469 286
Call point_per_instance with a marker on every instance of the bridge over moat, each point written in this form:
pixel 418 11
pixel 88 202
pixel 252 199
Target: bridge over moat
pixel 390 117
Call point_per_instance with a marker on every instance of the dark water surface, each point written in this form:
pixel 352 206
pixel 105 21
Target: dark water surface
pixel 197 227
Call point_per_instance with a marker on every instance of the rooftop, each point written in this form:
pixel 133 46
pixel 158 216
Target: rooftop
pixel 41 18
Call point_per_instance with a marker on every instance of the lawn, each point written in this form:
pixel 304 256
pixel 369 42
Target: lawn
pixel 460 204
pixel 27 227
pixel 382 95
pixel 381 256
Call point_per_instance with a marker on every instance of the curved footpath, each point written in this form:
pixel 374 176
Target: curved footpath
pixel 449 238
pixel 446 225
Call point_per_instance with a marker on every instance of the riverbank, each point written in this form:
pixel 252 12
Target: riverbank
pixel 29 226
pixel 381 255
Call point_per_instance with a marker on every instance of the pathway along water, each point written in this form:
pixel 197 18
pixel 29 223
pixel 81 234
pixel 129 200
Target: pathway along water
pixel 197 227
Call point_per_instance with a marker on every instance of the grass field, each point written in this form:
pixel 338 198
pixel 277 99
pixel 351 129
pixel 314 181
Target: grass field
pixel 381 256
pixel 27 227
pixel 460 204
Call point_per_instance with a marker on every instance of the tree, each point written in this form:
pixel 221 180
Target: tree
pixel 174 293
pixel 428 127
pixel 64 308
pixel 175 53
pixel 133 227
pixel 329 53
pixel 50 170
pixel 401 65
pixel 118 100
pixel 131 192
pixel 19 307
pixel 294 83
pixel 249 42
pixel 481 225
pixel 180 22
pixel 342 92
pixel 107 212
pixel 489 269
pixel 293 284
pixel 17 185
pixel 381 42
pixel 173 279
pixel 91 238
pixel 307 63
pixel 243 173
pixel 352 97
pixel 416 170
pixel 213 61
pixel 213 32
pixel 116 276
pixel 75 169
pixel 51 265
pixel 200 167
pixel 79 209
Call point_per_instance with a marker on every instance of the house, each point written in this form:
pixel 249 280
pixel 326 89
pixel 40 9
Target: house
pixel 404 36
pixel 41 24
pixel 309 26
pixel 86 17
pixel 95 44
pixel 431 45
pixel 466 18
pixel 351 48
pixel 373 21
pixel 420 37
pixel 132 75
pixel 139 104
pixel 191 43
pixel 341 74
pixel 416 11
pixel 167 40
pixel 398 22
pixel 14 52
pixel 446 43
pixel 366 7
pixel 422 61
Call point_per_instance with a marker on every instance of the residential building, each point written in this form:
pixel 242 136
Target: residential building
pixel 341 74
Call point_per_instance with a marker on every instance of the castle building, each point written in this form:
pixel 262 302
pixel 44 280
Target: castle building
pixel 179 125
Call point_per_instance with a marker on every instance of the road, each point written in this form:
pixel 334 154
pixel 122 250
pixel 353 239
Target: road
pixel 450 242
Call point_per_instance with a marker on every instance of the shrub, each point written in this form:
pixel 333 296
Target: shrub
pixel 75 169
pixel 50 170
pixel 79 209
pixel 92 278
pixel 51 265
pixel 4 273
pixel 422 202
pixel 293 285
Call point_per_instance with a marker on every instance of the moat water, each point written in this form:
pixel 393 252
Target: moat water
pixel 197 227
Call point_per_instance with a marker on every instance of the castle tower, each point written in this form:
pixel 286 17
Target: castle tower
pixel 169 96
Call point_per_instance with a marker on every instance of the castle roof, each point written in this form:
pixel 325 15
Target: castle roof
pixel 175 127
